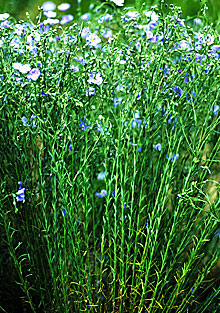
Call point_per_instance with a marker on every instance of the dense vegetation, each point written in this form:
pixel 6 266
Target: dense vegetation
pixel 110 158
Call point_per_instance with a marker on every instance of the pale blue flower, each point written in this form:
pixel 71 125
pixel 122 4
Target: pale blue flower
pixel 25 121
pixel 105 18
pixel 100 127
pixel 74 68
pixel 107 33
pixel 90 91
pixel 131 16
pixel 122 61
pixel 34 74
pixel 95 78
pixel 85 17
pixel 101 175
pixel 157 147
pixel 215 109
pixel 66 19
pixel 85 32
pixel 101 194
pixel 80 60
pixel 151 14
pixel 117 101
pixel 183 44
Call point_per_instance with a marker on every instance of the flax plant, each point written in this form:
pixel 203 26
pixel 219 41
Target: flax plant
pixel 110 162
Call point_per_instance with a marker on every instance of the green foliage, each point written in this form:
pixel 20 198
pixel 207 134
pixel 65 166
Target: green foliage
pixel 110 162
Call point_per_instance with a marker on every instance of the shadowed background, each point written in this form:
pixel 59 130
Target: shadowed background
pixel 18 8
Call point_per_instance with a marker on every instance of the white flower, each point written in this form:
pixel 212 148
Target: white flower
pixel 63 6
pixel 154 17
pixel 93 40
pixel 4 16
pixel 48 6
pixel 50 14
pixel 120 3
pixel 51 21
pixel 210 40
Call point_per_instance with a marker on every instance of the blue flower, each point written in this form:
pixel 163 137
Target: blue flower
pixel 117 101
pixel 186 79
pixel 177 90
pixel 181 22
pixel 100 127
pixel 215 109
pixel 64 212
pixel 21 194
pixel 217 233
pixel 136 122
pixel 191 98
pixel 83 123
pixel 183 45
pixel 90 91
pixel 174 157
pixel 101 194
pixel 105 18
pixel 74 68
pixel 80 60
pixel 157 147
pixel 24 121
pixel 215 51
